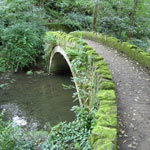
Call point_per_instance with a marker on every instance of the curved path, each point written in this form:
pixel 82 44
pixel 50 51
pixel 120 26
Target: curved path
pixel 133 98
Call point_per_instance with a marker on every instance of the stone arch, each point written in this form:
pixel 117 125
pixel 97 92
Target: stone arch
pixel 59 62
pixel 62 65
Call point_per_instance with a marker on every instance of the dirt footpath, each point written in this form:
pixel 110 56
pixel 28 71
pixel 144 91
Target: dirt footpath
pixel 133 99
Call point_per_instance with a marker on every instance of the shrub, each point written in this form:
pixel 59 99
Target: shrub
pixel 20 34
pixel 72 135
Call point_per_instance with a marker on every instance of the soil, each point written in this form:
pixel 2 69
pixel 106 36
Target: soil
pixel 133 98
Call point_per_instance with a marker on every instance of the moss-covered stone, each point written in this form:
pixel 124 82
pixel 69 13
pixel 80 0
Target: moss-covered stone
pixel 104 133
pixel 91 52
pixel 100 63
pixel 107 102
pixel 107 116
pixel 103 67
pixel 97 58
pixel 106 95
pixel 107 85
pixel 103 71
pixel 86 47
pixel 104 145
pixel 105 76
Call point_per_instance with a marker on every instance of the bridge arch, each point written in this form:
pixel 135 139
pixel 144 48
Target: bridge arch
pixel 60 63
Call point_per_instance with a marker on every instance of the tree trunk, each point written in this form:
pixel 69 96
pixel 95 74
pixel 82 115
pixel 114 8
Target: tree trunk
pixel 95 15
pixel 42 8
pixel 133 17
pixel 120 8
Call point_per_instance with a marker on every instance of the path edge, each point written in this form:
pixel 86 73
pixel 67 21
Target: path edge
pixel 132 51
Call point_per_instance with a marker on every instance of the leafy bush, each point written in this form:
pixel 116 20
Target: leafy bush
pixel 58 14
pixel 20 34
pixel 72 135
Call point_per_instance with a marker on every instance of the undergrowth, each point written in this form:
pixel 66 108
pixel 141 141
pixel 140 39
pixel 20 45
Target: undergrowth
pixel 12 137
pixel 72 135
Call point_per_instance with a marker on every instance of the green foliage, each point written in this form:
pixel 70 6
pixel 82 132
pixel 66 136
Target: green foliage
pixel 73 15
pixel 64 136
pixel 73 135
pixel 20 34
pixel 115 19
pixel 12 137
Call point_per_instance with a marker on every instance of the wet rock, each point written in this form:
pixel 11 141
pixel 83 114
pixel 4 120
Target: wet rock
pixel 29 72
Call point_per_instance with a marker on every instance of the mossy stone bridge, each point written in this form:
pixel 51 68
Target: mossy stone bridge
pixel 92 77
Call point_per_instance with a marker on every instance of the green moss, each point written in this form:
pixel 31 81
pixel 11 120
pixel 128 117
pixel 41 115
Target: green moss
pixel 130 50
pixel 100 63
pixel 102 136
pixel 144 59
pixel 107 85
pixel 104 145
pixel 105 76
pixel 97 58
pixel 87 48
pixel 104 133
pixel 91 52
pixel 107 102
pixel 107 116
pixel 103 70
pixel 106 95
pixel 104 73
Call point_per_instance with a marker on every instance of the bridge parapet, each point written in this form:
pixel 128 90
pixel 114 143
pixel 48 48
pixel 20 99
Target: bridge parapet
pixel 132 51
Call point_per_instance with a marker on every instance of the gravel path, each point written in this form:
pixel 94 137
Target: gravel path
pixel 133 99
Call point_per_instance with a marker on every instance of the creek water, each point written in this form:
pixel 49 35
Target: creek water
pixel 36 101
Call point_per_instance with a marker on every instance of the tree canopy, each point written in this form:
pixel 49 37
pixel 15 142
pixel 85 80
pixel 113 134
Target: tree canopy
pixel 127 20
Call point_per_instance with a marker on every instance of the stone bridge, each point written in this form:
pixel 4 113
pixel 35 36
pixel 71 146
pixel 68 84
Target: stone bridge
pixel 93 83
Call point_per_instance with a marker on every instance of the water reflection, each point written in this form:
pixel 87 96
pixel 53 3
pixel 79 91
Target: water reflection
pixel 33 101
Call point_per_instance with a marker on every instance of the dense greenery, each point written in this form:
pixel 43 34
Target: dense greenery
pixel 73 15
pixel 23 22
pixel 12 137
pixel 21 30
pixel 73 135
pixel 127 20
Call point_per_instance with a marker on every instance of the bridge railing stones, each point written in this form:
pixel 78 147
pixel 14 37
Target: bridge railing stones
pixel 131 51
pixel 92 76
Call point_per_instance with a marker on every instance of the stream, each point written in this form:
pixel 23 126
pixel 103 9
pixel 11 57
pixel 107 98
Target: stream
pixel 37 101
